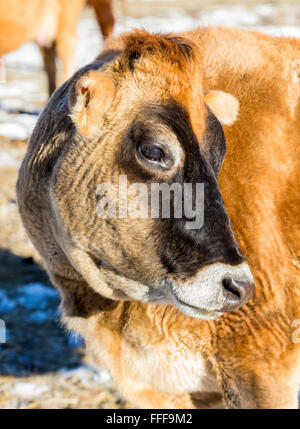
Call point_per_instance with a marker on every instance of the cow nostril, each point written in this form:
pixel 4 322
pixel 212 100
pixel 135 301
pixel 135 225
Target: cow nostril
pixel 236 292
pixel 230 286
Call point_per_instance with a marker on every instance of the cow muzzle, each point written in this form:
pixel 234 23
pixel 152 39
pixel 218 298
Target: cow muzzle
pixel 215 289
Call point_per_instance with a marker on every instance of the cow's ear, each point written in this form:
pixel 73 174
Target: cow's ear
pixel 223 105
pixel 91 97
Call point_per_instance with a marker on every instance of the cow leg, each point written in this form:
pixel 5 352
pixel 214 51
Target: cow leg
pixel 144 396
pixel 263 388
pixel 105 16
pixel 239 391
pixel 67 35
pixel 66 46
pixel 264 394
pixel 49 55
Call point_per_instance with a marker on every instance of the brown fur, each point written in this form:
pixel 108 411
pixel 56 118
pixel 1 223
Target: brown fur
pixel 159 357
pixel 105 15
pixel 53 25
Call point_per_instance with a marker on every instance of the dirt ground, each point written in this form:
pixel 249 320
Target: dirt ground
pixel 42 366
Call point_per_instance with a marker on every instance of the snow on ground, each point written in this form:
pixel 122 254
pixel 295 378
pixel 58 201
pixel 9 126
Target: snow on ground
pixel 16 126
pixel 38 298
pixel 40 364
pixel 6 304
pixel 25 351
pixel 84 374
pixel 29 390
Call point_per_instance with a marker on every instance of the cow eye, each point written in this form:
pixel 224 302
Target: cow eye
pixel 153 153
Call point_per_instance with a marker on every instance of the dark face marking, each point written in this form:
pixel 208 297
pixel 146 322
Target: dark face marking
pixel 214 141
pixel 184 251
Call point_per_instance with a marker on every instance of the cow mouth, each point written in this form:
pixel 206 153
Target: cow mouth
pixel 192 311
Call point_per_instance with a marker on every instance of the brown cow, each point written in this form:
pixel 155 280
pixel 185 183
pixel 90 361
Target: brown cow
pixel 157 303
pixel 53 25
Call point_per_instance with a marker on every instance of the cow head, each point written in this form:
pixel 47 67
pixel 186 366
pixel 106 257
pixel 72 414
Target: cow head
pixel 144 118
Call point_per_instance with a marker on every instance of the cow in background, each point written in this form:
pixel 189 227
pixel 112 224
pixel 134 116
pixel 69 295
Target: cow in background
pixel 53 25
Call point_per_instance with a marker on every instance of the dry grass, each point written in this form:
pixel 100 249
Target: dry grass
pixel 53 391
